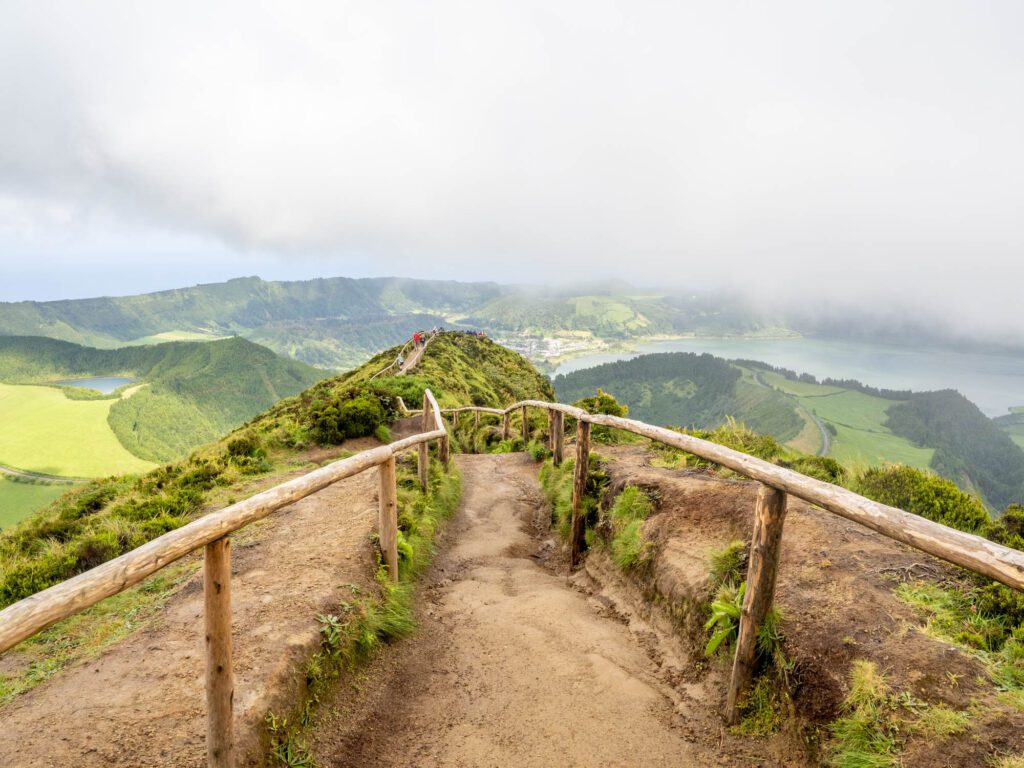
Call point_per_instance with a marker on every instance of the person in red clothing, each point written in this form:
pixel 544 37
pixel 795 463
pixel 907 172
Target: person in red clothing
pixel 416 338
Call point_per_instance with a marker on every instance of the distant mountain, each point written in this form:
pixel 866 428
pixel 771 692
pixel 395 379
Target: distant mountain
pixel 341 322
pixel 194 391
pixel 333 323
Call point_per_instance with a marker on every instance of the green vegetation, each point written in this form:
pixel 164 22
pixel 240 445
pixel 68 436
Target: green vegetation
pixel 858 423
pixel 866 735
pixel 697 391
pixel 876 721
pixel 969 447
pixel 46 432
pixel 194 393
pixel 19 499
pixel 462 369
pixel 967 617
pixel 627 514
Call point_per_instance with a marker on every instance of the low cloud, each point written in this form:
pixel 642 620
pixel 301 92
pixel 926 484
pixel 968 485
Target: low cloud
pixel 804 153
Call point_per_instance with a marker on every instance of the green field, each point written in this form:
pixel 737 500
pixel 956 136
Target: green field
pixel 19 500
pixel 44 431
pixel 859 419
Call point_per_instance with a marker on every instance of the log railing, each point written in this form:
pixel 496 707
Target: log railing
pixel 975 553
pixel 211 533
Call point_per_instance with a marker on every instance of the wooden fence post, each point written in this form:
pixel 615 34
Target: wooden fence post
pixel 423 455
pixel 579 489
pixel 444 451
pixel 506 426
pixel 220 677
pixel 388 520
pixel 476 419
pixel 526 426
pixel 558 430
pixel 455 419
pixel 765 548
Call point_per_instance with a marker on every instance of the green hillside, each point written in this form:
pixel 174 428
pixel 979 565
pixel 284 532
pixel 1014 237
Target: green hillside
pixel 941 431
pixel 328 322
pixel 1013 425
pixel 342 322
pixel 462 370
pixel 686 389
pixel 193 391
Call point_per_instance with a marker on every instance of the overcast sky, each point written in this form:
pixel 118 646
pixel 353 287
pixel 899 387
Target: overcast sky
pixel 872 149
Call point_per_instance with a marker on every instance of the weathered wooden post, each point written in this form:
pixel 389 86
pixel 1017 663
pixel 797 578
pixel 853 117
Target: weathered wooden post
pixel 506 426
pixel 579 489
pixel 388 519
pixel 476 419
pixel 769 516
pixel 558 451
pixel 455 419
pixel 444 451
pixel 526 426
pixel 423 455
pixel 220 677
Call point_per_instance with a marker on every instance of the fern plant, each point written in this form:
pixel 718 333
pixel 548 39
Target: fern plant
pixel 725 616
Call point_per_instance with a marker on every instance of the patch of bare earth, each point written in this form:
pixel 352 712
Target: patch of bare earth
pixel 515 664
pixel 142 702
pixel 835 591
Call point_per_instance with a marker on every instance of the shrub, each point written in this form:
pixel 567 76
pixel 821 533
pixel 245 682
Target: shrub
pixel 606 404
pixel 924 494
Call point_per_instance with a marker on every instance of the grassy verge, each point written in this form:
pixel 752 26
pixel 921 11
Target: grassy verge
pixel 363 623
pixel 85 635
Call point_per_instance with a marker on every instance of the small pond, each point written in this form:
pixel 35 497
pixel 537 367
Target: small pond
pixel 104 384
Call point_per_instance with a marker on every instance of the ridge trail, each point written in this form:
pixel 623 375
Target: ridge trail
pixel 512 665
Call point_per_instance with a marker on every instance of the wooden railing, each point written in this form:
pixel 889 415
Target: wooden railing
pixel 211 532
pixel 975 553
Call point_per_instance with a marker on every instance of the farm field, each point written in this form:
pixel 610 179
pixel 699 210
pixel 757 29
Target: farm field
pixel 861 437
pixel 43 431
pixel 19 500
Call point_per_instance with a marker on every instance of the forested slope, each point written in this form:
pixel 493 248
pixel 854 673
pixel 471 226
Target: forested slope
pixel 685 389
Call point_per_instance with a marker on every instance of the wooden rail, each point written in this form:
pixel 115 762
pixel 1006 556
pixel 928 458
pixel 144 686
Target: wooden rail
pixel 966 550
pixel 210 532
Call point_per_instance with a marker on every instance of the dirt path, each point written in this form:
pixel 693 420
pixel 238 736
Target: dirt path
pixel 142 702
pixel 512 666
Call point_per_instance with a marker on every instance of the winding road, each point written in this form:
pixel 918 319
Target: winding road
pixel 826 441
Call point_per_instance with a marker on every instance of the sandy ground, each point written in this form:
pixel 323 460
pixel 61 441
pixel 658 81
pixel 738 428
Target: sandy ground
pixel 142 703
pixel 513 665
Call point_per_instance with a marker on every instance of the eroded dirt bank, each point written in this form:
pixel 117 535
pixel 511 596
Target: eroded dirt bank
pixel 142 703
pixel 515 666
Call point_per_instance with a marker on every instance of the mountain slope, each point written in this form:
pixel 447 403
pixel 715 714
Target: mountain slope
pixel 341 322
pixel 193 391
pixel 941 430
pixel 685 389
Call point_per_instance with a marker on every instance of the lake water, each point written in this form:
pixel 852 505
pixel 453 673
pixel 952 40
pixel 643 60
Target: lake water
pixel 994 383
pixel 104 384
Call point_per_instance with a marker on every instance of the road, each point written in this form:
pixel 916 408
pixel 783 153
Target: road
pixel 826 441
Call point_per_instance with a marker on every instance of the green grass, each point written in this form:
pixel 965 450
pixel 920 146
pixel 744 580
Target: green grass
pixel 18 500
pixel 861 437
pixel 44 431
pixel 629 546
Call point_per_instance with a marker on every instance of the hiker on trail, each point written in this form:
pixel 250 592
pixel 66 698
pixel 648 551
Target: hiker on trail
pixel 401 359
pixel 416 338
